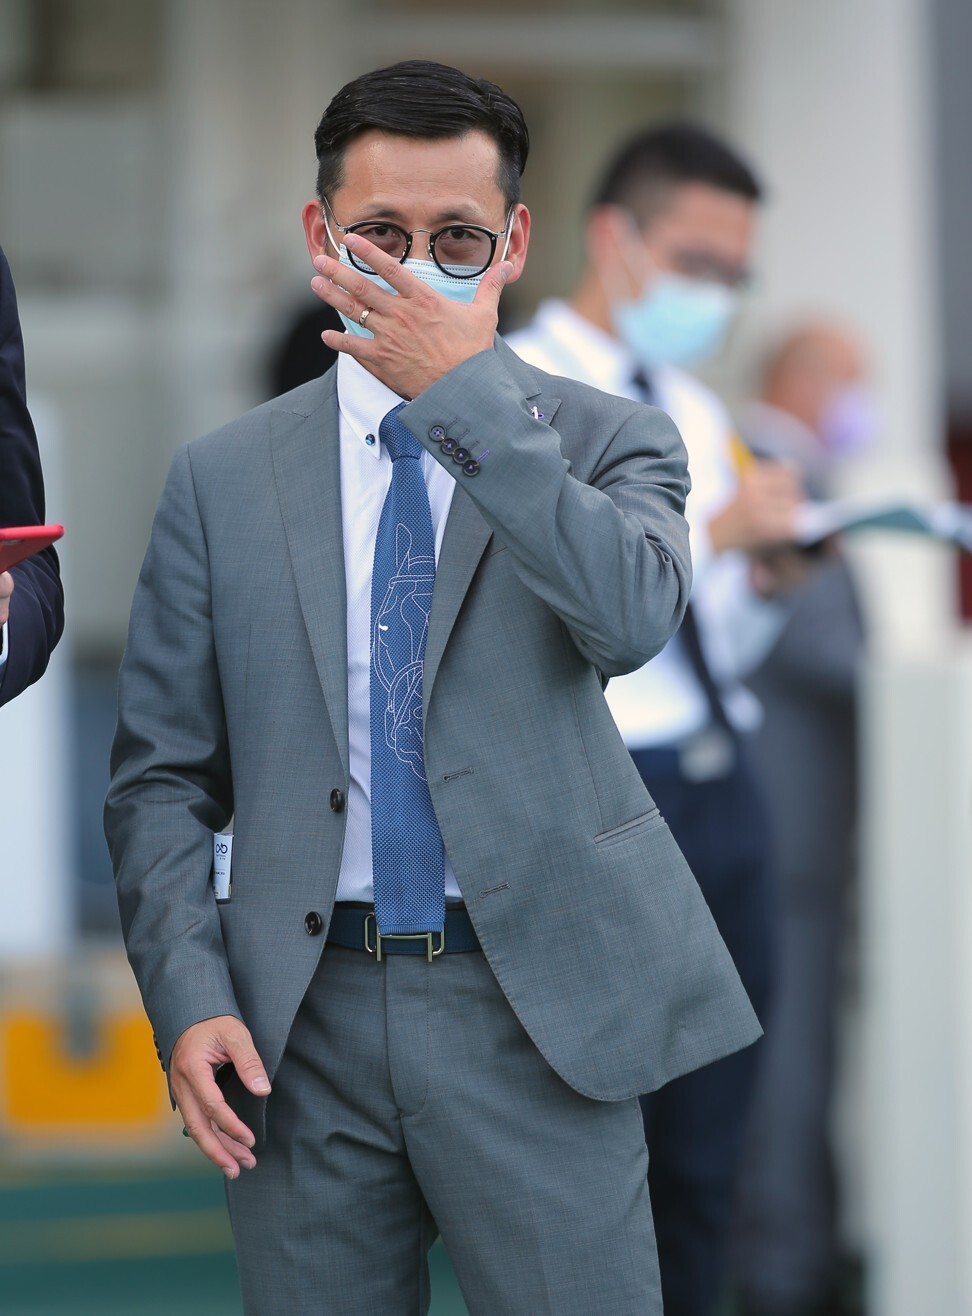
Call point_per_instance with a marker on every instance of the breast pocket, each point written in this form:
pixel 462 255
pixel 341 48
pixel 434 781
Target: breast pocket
pixel 647 821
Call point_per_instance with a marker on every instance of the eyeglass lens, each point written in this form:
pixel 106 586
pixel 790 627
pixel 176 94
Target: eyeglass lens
pixel 456 245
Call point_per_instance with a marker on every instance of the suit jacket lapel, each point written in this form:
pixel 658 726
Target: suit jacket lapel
pixel 306 464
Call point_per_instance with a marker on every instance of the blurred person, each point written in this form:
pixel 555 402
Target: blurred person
pixel 300 355
pixel 814 410
pixel 31 595
pixel 668 242
pixel 510 953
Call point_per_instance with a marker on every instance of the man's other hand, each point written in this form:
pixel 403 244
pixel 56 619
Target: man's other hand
pixel 208 1117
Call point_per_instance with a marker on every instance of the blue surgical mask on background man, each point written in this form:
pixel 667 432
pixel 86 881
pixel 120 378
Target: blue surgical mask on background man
pixel 673 320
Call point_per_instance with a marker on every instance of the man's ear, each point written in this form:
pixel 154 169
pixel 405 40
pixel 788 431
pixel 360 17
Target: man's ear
pixel 315 231
pixel 519 240
pixel 606 227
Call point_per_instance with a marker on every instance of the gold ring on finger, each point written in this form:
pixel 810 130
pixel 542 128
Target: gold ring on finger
pixel 362 318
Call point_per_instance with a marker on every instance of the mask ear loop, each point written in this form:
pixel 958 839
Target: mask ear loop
pixel 339 247
pixel 509 234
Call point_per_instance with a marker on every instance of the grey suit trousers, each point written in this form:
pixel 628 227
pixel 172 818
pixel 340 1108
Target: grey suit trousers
pixel 410 1101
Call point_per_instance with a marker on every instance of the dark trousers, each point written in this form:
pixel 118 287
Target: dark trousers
pixel 694 1126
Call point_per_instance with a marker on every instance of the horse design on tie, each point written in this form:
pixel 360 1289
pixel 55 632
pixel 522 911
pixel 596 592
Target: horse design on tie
pixel 399 632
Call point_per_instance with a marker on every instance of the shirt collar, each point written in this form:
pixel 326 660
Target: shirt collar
pixel 600 359
pixel 364 401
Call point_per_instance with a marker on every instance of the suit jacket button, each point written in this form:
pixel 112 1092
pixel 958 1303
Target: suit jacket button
pixel 437 433
pixel 461 455
pixel 471 467
pixel 313 923
pixel 448 446
pixel 337 801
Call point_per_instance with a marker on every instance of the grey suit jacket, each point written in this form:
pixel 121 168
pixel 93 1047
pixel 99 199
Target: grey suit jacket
pixel 565 559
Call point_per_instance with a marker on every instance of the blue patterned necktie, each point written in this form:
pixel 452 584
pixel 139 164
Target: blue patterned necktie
pixel 407 855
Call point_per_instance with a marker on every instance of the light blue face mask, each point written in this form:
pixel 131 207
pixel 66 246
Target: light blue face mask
pixel 457 290
pixel 676 321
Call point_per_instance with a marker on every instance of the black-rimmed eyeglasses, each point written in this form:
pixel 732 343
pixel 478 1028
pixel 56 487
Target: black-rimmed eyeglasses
pixel 462 251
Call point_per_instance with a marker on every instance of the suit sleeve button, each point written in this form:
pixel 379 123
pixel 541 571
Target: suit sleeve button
pixel 437 433
pixel 337 801
pixel 461 455
pixel 448 446
pixel 471 467
pixel 313 923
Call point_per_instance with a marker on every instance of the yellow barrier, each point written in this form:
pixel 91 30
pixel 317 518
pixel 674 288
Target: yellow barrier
pixel 78 1069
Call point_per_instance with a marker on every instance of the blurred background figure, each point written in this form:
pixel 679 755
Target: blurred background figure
pixel 31 592
pixel 813 411
pixel 299 354
pixel 668 241
pixel 814 408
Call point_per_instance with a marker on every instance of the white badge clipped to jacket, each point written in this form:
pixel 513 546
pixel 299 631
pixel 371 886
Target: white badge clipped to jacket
pixel 222 862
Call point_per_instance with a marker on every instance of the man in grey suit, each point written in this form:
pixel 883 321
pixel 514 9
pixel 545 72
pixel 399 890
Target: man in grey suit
pixel 472 1071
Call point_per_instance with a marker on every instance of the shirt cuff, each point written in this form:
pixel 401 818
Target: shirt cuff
pixel 3 646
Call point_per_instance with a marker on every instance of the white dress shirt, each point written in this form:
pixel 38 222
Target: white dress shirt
pixel 365 476
pixel 662 703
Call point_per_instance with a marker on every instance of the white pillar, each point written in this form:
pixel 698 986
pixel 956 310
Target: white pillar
pixel 917 912
pixel 832 100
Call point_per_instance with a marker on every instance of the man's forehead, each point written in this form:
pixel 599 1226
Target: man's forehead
pixel 475 147
pixel 701 206
pixel 391 171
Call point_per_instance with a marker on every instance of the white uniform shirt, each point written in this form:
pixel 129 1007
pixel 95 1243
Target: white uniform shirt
pixel 365 476
pixel 663 703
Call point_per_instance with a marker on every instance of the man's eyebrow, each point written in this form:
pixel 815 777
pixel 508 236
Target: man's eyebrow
pixel 462 213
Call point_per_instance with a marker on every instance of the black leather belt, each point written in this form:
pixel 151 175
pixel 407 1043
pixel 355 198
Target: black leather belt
pixel 354 928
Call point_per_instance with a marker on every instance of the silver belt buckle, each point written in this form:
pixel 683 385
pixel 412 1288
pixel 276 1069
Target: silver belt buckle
pixel 431 949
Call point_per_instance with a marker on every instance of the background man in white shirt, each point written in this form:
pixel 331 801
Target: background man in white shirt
pixel 668 244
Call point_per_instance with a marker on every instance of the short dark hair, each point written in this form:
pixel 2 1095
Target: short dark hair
pixel 418 98
pixel 642 172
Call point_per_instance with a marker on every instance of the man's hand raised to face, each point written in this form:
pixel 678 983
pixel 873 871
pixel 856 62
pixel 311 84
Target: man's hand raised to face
pixel 419 335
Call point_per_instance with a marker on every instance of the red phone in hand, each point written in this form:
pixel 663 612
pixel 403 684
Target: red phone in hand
pixel 19 542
